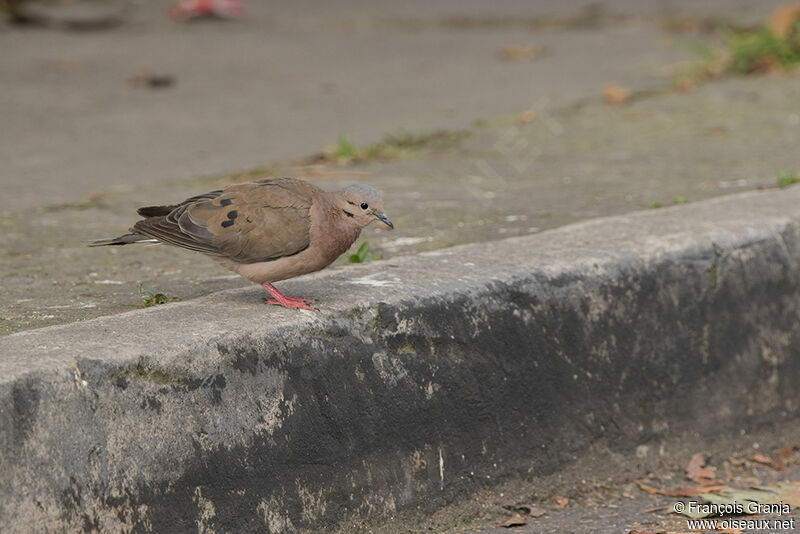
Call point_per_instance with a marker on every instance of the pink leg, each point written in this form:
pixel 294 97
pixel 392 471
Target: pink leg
pixel 283 300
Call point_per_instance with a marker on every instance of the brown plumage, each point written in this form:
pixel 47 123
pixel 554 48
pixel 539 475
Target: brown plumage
pixel 266 231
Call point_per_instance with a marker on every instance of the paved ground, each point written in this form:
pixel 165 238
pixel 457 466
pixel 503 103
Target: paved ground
pixel 293 77
pixel 496 181
pixel 81 149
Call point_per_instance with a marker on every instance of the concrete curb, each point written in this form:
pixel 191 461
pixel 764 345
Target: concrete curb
pixel 422 377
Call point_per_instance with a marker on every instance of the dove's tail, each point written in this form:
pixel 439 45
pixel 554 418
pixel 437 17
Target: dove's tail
pixel 126 239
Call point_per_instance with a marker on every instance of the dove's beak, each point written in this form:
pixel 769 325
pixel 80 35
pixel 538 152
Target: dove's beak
pixel 384 219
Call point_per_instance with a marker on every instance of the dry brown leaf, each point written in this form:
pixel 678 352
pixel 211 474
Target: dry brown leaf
pixel 522 53
pixel 526 116
pixel 763 459
pixel 648 489
pixel 562 502
pixel 782 455
pixel 656 509
pixel 693 491
pixel 766 64
pixel 783 19
pixel 685 84
pixel 515 521
pixel 615 95
pixel 696 470
pixel 685 491
pixel 695 464
pixel 705 476
pixel 537 511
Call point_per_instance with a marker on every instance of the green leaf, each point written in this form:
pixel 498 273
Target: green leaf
pixel 345 148
pixel 785 179
pixel 150 298
pixel 361 254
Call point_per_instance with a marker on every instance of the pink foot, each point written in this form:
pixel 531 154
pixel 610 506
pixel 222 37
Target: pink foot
pixel 286 301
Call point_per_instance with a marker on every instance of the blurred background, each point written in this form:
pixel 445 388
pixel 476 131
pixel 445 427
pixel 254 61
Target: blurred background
pixel 476 120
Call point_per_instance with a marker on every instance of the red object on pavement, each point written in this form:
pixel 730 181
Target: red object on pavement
pixel 192 9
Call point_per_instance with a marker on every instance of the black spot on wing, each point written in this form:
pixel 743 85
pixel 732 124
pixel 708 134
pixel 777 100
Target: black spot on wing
pixel 233 214
pixel 155 211
pixel 226 224
pixel 225 202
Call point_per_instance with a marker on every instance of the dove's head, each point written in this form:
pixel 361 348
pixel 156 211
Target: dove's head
pixel 363 203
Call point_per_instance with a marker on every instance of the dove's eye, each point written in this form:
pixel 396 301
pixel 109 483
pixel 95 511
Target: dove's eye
pixel 364 205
